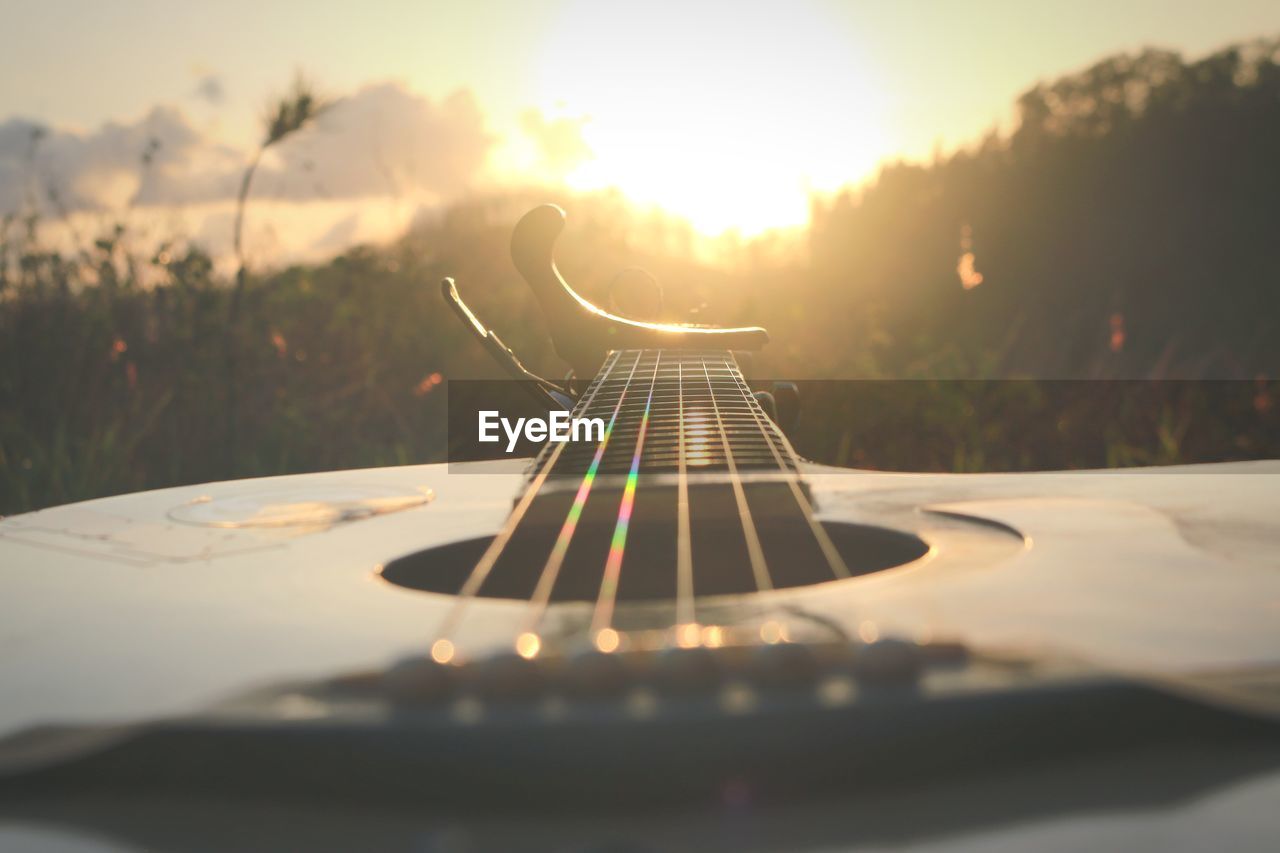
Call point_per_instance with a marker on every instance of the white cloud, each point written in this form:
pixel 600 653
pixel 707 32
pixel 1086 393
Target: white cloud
pixel 360 172
pixel 159 157
pixel 383 141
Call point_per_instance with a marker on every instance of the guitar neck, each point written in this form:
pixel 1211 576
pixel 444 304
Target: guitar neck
pixel 672 412
pixel 671 417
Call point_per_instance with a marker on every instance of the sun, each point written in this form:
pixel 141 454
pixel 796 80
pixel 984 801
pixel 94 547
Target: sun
pixel 729 114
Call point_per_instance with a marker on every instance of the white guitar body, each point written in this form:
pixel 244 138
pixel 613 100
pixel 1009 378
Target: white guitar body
pixel 116 611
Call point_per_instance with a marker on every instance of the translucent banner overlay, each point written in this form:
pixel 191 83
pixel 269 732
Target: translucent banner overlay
pixel 1008 425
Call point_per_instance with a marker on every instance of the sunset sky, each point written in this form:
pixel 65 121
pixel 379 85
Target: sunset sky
pixel 730 114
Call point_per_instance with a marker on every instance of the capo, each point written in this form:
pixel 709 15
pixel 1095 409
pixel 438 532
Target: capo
pixel 582 332
pixel 547 392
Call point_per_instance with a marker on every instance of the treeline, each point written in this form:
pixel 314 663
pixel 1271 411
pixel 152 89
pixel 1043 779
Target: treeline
pixel 1129 226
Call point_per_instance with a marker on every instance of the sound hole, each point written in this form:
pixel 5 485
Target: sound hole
pixel 721 565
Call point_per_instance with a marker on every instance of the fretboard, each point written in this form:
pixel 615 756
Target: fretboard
pixel 717 505
pixel 697 399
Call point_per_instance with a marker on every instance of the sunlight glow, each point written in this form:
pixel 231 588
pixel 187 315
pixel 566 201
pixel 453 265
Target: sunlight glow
pixel 442 651
pixel 966 266
pixel 528 645
pixel 608 640
pixel 689 635
pixel 698 119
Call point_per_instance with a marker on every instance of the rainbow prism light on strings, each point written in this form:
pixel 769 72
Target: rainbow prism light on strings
pixel 528 644
pixel 613 565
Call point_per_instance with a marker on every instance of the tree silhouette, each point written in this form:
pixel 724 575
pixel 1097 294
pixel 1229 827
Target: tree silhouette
pixel 1143 192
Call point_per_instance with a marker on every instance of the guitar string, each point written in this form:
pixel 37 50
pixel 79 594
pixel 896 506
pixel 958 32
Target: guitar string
pixel 603 618
pixel 527 642
pixel 755 553
pixel 685 614
pixel 828 548
pixel 442 649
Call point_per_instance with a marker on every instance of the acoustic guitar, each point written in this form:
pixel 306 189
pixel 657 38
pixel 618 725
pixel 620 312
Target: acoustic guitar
pixel 680 611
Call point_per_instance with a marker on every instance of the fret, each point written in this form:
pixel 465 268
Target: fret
pixel 711 395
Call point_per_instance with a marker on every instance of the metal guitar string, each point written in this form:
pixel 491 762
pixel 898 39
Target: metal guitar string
pixel 442 649
pixel 828 548
pixel 603 617
pixel 528 642
pixel 685 613
pixel 755 553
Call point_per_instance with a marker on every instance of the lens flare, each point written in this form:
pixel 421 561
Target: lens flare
pixel 608 640
pixel 528 645
pixel 442 651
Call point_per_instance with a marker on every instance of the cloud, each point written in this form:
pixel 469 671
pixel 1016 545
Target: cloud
pixel 382 141
pixel 160 157
pixel 361 172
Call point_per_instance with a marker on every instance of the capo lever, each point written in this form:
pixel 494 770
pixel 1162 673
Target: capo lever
pixel 584 333
pixel 547 392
